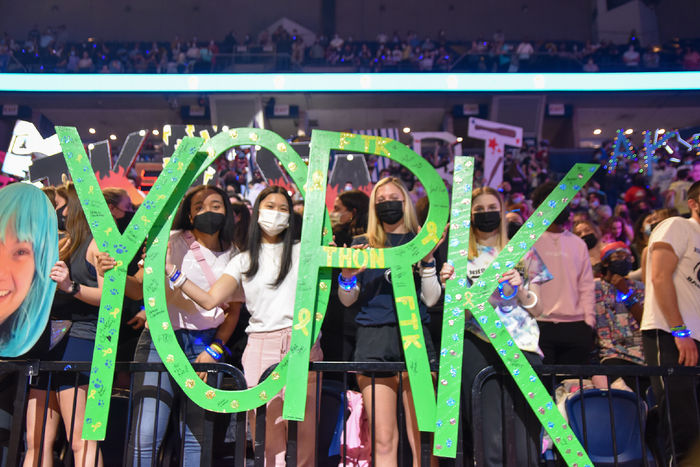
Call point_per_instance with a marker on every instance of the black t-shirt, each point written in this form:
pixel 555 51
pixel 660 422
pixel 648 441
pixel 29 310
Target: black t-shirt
pixel 376 298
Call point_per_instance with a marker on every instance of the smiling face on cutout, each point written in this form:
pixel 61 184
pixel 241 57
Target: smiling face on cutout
pixel 16 273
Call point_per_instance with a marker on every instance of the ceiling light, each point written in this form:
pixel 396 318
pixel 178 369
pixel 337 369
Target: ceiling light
pixel 155 132
pixel 597 131
pixel 661 131
pixel 92 131
pixel 91 146
pixel 113 137
pixel 406 129
pixel 629 131
pixel 460 139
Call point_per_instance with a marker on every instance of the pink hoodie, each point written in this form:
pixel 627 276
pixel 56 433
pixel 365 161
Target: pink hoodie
pixel 570 295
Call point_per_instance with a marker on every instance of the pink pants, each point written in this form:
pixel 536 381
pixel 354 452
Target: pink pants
pixel 265 349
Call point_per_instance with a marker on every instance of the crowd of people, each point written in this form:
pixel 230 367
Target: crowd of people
pixel 613 281
pixel 283 50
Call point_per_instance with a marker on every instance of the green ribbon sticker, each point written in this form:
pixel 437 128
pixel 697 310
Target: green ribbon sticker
pixel 316 257
pixel 475 299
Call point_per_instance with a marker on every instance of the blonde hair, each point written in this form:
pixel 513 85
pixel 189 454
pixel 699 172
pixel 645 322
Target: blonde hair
pixel 594 228
pixel 376 236
pixel 503 237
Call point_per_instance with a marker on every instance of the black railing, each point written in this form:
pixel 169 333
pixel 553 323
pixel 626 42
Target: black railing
pixel 333 381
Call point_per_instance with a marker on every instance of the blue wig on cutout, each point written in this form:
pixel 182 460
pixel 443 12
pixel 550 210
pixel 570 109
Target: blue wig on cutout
pixel 27 211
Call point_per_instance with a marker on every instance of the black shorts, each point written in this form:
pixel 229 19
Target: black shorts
pixel 70 349
pixel 383 344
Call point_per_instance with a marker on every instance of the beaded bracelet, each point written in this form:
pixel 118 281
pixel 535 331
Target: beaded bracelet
pixel 347 284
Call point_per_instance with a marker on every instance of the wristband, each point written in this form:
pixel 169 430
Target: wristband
pixel 531 305
pixel 178 279
pixel 347 284
pixel 214 354
pixel 621 297
pixel 507 297
pixel 430 264
pixel 74 288
pixel 631 301
pixel 221 344
pixel 175 275
pixel 681 333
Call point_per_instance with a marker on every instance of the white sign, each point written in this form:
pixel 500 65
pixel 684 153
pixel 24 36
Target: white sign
pixel 496 137
pixel 281 110
pixel 470 109
pixel 26 143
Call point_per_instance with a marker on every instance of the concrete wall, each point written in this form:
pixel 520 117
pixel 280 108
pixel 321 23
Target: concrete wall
pixel 467 19
pixel 361 19
pixel 155 19
pixel 615 25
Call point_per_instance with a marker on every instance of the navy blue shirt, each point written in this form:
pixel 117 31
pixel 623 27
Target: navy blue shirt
pixel 376 298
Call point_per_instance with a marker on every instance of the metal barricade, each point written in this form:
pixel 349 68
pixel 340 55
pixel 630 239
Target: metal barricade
pixel 114 448
pixel 596 413
pixel 331 414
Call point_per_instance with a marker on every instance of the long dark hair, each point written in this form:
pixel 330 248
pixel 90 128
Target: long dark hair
pixel 255 236
pixel 228 230
pixel 359 202
pixel 240 236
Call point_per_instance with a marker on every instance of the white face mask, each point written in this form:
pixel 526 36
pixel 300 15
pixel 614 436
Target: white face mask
pixel 273 222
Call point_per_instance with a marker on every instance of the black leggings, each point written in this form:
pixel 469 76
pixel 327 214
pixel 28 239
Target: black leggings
pixel 566 343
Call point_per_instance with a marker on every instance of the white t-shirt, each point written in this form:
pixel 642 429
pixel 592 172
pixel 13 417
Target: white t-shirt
pixel 184 313
pixel 684 237
pixel 270 308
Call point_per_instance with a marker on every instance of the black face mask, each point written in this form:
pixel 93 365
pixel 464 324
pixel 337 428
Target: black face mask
pixel 389 212
pixel 619 267
pixel 513 228
pixel 123 223
pixel 61 219
pixel 590 240
pixel 209 222
pixel 487 221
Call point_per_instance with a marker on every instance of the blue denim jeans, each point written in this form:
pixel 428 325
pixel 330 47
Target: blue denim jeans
pixel 157 394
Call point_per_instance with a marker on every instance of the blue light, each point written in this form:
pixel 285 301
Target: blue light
pixel 351 82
